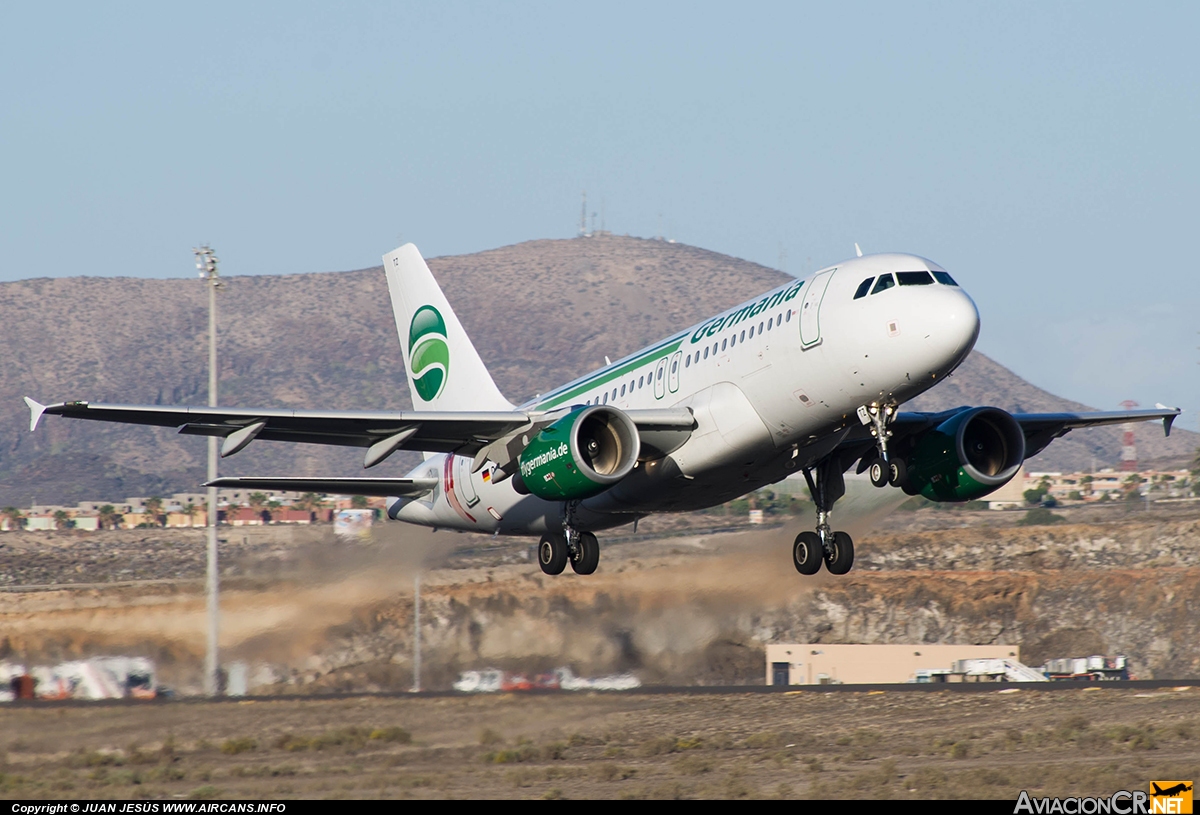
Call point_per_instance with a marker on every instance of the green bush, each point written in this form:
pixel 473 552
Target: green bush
pixel 234 746
pixel 1040 517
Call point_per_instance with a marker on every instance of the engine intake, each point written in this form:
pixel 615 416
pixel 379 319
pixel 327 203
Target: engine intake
pixel 969 455
pixel 580 455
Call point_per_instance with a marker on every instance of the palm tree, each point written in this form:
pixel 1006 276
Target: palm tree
pixel 190 510
pixel 153 507
pixel 309 502
pixel 16 518
pixel 1086 483
pixel 109 517
pixel 62 520
pixel 256 501
pixel 273 507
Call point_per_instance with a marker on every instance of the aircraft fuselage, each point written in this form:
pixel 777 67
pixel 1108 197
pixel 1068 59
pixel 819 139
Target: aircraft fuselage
pixel 771 382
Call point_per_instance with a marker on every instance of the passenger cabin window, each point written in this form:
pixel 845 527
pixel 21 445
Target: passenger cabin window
pixel 863 288
pixel 724 344
pixel 944 278
pixel 706 352
pixel 743 336
pixel 770 323
pixel 789 315
pixel 915 278
pixel 640 379
pixel 752 331
pixel 622 389
pixel 687 363
pixel 884 283
pixel 733 341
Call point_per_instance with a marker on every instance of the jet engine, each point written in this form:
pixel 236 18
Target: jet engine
pixel 969 455
pixel 580 455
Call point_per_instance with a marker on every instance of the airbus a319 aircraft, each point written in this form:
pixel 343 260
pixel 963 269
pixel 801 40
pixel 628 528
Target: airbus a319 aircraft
pixel 809 377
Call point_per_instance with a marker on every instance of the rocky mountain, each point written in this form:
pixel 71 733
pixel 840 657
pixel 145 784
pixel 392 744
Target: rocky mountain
pixel 540 312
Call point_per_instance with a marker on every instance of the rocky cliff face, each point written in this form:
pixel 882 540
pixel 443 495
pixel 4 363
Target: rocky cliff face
pixel 700 610
pixel 311 613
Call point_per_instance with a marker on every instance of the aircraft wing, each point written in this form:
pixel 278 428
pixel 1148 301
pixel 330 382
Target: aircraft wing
pixel 382 432
pixel 387 487
pixel 1043 428
pixel 1040 428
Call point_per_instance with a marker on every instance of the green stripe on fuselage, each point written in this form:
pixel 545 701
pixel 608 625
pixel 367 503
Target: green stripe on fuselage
pixel 606 375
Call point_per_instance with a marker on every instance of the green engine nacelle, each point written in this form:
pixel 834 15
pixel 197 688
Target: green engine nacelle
pixel 967 456
pixel 580 455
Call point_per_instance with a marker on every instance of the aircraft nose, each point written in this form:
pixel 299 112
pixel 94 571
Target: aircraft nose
pixel 952 322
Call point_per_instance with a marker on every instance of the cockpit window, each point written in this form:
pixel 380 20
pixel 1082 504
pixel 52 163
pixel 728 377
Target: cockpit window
pixel 863 288
pixel 915 278
pixel 883 283
pixel 944 278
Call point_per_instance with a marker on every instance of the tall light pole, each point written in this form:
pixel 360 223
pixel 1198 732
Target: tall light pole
pixel 206 262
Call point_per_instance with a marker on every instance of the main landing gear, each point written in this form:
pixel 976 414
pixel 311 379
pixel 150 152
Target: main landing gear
pixel 580 549
pixel 834 549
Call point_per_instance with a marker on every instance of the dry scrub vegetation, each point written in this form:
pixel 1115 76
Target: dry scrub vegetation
pixel 822 745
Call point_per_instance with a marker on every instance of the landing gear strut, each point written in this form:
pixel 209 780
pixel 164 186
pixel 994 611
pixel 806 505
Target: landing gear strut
pixel 835 549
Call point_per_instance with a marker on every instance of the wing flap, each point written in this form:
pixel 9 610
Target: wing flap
pixel 437 432
pixel 383 487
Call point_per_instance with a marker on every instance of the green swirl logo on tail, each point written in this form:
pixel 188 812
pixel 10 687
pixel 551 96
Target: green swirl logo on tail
pixel 428 353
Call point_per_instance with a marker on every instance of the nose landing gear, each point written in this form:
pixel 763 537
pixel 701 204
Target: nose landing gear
pixel 884 470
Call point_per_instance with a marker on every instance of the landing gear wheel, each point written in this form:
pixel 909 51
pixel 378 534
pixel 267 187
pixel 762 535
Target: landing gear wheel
pixel 840 556
pixel 897 472
pixel 880 473
pixel 589 554
pixel 807 553
pixel 552 554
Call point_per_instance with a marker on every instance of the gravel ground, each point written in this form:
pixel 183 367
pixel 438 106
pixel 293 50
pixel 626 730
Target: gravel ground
pixel 805 744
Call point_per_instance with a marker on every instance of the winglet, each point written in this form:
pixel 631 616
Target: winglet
pixel 1168 420
pixel 35 413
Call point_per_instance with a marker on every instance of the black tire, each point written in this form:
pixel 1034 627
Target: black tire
pixel 589 554
pixel 841 558
pixel 897 473
pixel 879 473
pixel 552 554
pixel 807 553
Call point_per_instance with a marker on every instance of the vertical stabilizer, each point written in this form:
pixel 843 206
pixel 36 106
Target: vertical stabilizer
pixel 444 369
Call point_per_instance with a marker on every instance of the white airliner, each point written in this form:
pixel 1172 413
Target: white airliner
pixel 808 377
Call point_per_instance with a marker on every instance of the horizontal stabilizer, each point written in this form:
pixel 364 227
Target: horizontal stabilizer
pixel 36 409
pixel 386 487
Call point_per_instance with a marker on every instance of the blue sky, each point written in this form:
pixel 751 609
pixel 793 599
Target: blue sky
pixel 1044 153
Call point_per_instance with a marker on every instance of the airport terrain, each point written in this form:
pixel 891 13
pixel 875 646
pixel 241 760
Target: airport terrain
pixel 678 604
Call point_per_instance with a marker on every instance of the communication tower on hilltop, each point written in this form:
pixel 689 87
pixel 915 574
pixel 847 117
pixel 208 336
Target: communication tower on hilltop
pixel 583 217
pixel 1129 462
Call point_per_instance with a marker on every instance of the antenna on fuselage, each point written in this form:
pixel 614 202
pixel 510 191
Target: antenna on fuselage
pixel 857 251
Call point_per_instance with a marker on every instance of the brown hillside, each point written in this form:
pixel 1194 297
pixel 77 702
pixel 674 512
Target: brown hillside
pixel 540 312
